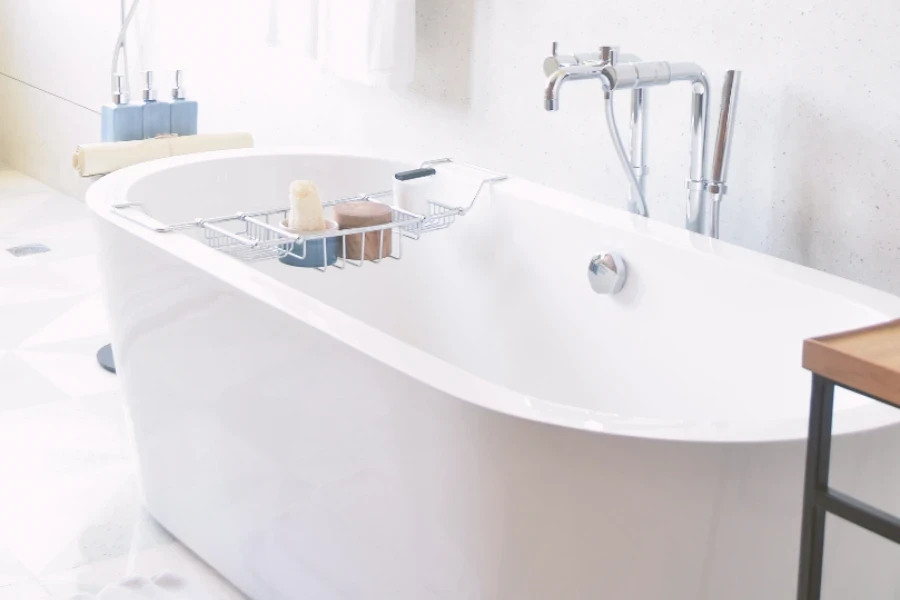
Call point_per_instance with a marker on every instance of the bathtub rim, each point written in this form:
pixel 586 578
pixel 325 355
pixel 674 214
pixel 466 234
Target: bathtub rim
pixel 463 385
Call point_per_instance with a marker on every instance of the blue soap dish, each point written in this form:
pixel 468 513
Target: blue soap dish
pixel 318 253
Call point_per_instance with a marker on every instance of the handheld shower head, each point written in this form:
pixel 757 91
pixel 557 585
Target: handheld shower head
pixel 722 150
pixel 726 127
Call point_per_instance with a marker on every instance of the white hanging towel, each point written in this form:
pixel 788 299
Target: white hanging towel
pixel 368 41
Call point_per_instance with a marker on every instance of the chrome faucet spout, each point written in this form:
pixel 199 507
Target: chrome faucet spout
pixel 551 90
pixel 571 73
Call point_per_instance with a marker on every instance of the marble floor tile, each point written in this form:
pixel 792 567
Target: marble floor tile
pixel 32 211
pixel 11 570
pixel 71 516
pixel 82 273
pixel 86 319
pixel 74 374
pixel 13 183
pixel 65 240
pixel 55 503
pixel 172 558
pixel 22 386
pixel 29 590
pixel 22 282
pixel 16 208
pixel 22 320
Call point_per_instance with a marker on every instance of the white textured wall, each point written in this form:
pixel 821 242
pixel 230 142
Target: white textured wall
pixel 814 175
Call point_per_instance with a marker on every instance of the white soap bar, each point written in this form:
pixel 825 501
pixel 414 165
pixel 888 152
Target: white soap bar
pixel 413 195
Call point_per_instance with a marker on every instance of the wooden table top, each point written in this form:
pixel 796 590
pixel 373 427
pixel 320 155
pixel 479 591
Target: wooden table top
pixel 866 359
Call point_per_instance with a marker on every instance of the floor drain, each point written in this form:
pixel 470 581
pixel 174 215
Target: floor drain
pixel 27 250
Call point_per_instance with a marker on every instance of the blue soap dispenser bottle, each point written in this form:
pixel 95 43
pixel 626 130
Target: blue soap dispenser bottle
pixel 121 121
pixel 184 111
pixel 157 115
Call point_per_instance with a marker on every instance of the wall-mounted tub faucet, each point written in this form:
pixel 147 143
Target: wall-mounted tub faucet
pixel 609 55
pixel 623 72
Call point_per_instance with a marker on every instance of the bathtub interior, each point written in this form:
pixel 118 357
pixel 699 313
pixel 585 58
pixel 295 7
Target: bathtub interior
pixel 503 294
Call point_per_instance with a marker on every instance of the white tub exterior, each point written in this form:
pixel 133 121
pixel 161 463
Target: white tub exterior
pixel 473 421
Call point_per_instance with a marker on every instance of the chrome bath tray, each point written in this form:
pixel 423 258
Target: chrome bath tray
pixel 257 235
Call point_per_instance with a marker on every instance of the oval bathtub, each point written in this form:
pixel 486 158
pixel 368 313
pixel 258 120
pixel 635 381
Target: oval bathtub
pixel 473 421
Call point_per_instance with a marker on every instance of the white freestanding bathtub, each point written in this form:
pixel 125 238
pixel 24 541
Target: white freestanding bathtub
pixel 473 421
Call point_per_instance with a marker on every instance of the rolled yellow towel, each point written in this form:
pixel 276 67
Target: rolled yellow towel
pixel 103 158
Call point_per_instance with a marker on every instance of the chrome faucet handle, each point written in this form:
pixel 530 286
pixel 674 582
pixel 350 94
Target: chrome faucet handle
pixel 557 61
pixel 613 55
pixel 606 55
pixel 609 55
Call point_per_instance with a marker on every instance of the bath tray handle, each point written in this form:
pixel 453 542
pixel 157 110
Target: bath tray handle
pixel 134 212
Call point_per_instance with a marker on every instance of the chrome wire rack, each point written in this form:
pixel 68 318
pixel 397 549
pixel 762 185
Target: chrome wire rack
pixel 258 235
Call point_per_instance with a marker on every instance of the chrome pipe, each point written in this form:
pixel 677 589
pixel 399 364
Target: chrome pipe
pixel 122 14
pixel 696 202
pixel 639 110
pixel 649 74
pixel 636 163
pixel 610 55
pixel 696 183
pixel 714 217
pixel 636 196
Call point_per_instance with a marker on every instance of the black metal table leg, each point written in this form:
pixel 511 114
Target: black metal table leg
pixel 818 455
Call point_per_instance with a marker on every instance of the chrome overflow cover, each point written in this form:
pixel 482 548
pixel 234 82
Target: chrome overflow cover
pixel 607 273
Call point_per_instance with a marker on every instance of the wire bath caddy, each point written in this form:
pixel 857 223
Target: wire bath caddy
pixel 258 235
